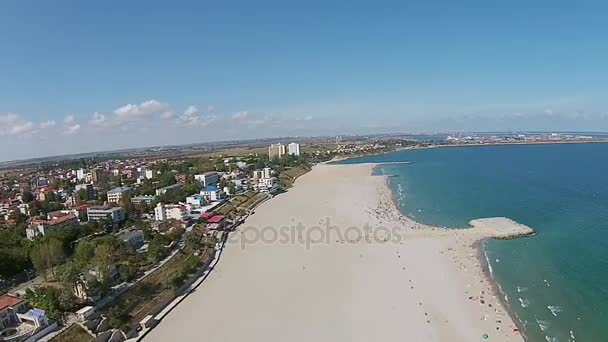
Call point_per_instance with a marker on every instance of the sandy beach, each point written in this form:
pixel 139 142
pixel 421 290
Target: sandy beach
pixel 333 260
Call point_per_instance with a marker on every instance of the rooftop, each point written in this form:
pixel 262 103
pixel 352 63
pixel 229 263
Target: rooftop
pixel 119 190
pixel 210 188
pixel 7 301
pixel 216 219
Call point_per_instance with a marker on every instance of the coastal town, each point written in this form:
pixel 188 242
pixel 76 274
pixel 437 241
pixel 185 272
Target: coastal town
pixel 103 249
pixel 93 250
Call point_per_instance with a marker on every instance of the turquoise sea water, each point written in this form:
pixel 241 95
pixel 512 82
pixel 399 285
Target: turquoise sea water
pixel 555 282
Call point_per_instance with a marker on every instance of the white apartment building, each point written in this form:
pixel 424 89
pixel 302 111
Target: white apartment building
pixel 149 174
pixel 148 199
pixel 267 172
pixel 196 201
pixel 258 174
pixel 268 185
pixel 115 214
pixel 276 150
pixel 80 174
pixel 164 190
pixel 170 212
pixel 117 194
pixel 133 237
pixel 208 178
pixel 293 149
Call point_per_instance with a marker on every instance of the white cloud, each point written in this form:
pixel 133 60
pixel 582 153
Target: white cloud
pixel 239 116
pixel 193 117
pixel 191 111
pixel 14 124
pixel 71 129
pixel 69 119
pixel 47 124
pixel 136 111
pixel 98 119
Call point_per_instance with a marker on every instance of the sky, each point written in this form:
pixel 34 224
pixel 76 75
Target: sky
pixel 81 76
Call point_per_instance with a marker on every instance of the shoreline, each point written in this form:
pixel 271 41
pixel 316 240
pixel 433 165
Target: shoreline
pixel 477 245
pixel 433 287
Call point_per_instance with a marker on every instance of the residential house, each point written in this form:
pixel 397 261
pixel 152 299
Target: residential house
pixel 53 221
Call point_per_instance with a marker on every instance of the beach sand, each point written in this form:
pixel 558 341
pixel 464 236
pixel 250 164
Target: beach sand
pixel 284 277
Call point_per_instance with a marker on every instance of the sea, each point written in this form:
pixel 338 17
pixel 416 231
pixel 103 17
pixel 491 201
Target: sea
pixel 556 282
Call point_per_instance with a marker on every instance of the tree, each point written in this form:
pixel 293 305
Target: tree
pixel 118 317
pixel 39 256
pixel 56 253
pixel 156 249
pixel 85 251
pixel 27 196
pixel 82 195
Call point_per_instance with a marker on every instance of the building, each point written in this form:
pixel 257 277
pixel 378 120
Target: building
pixel 258 174
pixel 114 214
pixel 54 221
pixel 208 178
pixel 10 306
pixel 267 172
pixel 96 175
pixel 164 190
pixel 18 324
pixel 89 189
pixel 116 195
pixel 149 174
pixel 133 237
pixel 276 150
pixel 268 185
pixel 212 193
pixel 217 222
pixel 80 174
pixel 196 201
pixel 147 199
pixel 170 212
pixel 293 149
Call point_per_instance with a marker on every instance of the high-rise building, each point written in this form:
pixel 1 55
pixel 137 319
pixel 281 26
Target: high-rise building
pixel 267 172
pixel 80 174
pixel 96 175
pixel 276 150
pixel 293 149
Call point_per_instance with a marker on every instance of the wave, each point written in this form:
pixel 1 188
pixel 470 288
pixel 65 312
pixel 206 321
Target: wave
pixel 572 338
pixel 542 324
pixel 546 282
pixel 551 339
pixel 554 309
pixel 524 302
pixel 521 289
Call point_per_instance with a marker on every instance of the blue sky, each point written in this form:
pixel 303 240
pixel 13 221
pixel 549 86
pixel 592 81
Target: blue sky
pixel 83 76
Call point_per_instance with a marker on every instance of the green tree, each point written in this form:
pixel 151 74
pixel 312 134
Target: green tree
pixel 40 257
pixel 118 317
pixel 84 253
pixel 156 249
pixel 27 196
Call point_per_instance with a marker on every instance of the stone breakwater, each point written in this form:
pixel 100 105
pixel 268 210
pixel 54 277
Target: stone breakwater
pixel 501 228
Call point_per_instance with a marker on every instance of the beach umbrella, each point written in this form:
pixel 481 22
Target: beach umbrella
pixel 485 336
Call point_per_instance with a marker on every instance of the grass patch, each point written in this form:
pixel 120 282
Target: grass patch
pixel 75 333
